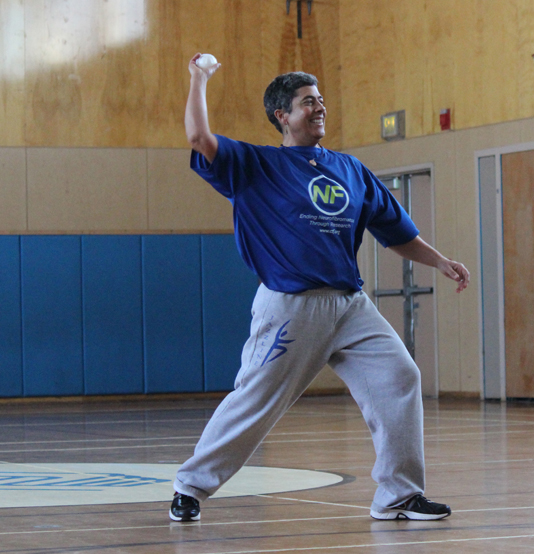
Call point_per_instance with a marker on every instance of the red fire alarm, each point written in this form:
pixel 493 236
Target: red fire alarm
pixel 445 119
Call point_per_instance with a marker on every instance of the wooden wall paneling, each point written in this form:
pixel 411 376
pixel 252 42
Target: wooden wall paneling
pixel 51 315
pixel 231 31
pixel 440 66
pixel 54 39
pixel 317 52
pixel 123 96
pixel 123 116
pixel 485 49
pixel 285 49
pixel 94 74
pixel 467 51
pixel 468 56
pixel 228 288
pixel 320 51
pixel 518 238
pixel 112 77
pixel 112 314
pixel 85 74
pixel 240 106
pixel 11 380
pixel 499 64
pixel 202 30
pixel 180 200
pixel 166 74
pixel 279 53
pixel 87 189
pixel 12 73
pixel 368 74
pixel 13 200
pixel 525 61
pixel 410 64
pixel 172 314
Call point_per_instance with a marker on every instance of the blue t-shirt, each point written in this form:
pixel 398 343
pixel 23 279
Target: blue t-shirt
pixel 298 225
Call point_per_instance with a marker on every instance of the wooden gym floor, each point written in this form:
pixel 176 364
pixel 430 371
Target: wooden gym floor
pixel 480 460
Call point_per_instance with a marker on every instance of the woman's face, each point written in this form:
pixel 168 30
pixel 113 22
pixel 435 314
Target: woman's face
pixel 305 125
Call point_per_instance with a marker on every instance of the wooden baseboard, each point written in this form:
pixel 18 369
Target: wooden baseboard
pixel 143 397
pixel 449 395
pixel 459 395
pixel 113 398
pixel 327 392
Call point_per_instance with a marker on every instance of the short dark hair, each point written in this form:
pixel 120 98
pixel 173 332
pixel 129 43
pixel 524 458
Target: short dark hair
pixel 281 91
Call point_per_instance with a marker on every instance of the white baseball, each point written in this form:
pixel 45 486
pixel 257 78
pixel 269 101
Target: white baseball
pixel 206 61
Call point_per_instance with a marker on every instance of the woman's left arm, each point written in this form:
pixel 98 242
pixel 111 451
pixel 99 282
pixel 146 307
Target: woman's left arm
pixel 419 251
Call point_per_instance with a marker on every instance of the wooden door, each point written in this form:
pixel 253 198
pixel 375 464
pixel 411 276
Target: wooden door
pixel 518 248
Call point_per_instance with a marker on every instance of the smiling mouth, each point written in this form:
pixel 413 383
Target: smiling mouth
pixel 318 121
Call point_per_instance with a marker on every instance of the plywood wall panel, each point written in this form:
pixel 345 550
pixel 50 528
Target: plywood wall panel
pixel 368 78
pixel 123 101
pixel 97 74
pixel 317 52
pixel 201 29
pixel 179 200
pixel 84 74
pixel 12 109
pixel 486 81
pixel 408 61
pixel 439 64
pixel 13 189
pixel 87 190
pixel 320 56
pixel 473 57
pixel 466 54
pixel 524 55
pixel 238 105
pixel 53 99
pixel 166 75
pixel 280 54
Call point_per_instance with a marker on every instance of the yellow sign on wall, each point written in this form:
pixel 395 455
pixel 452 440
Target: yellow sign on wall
pixel 393 126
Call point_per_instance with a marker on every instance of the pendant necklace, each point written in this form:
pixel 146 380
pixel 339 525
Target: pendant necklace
pixel 321 154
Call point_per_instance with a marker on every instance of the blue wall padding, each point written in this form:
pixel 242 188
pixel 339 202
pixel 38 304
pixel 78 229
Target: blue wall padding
pixel 121 314
pixel 112 314
pixel 228 288
pixel 10 318
pixel 173 313
pixel 51 315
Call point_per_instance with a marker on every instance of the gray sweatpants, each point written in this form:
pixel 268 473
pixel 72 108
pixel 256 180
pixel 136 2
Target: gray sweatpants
pixel 292 337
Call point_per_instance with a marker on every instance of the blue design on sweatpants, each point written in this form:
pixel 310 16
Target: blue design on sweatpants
pixel 278 344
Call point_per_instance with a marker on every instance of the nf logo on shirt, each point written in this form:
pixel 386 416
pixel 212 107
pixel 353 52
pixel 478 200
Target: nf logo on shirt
pixel 327 196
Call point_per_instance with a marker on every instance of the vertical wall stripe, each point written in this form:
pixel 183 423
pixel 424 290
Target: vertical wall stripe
pixel 113 336
pixel 172 314
pixel 51 315
pixel 199 278
pixel 11 380
pixel 228 289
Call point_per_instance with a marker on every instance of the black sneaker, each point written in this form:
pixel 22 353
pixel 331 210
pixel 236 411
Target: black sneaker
pixel 184 508
pixel 418 507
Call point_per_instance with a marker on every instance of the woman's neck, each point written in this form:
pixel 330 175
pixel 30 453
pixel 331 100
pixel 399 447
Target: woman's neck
pixel 289 141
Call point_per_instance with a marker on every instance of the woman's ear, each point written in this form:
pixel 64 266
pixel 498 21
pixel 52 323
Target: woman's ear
pixel 281 116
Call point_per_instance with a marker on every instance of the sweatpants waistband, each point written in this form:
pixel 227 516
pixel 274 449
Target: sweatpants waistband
pixel 322 291
pixel 329 291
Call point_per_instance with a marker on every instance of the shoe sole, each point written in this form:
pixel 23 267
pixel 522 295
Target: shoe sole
pixel 183 519
pixel 405 514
